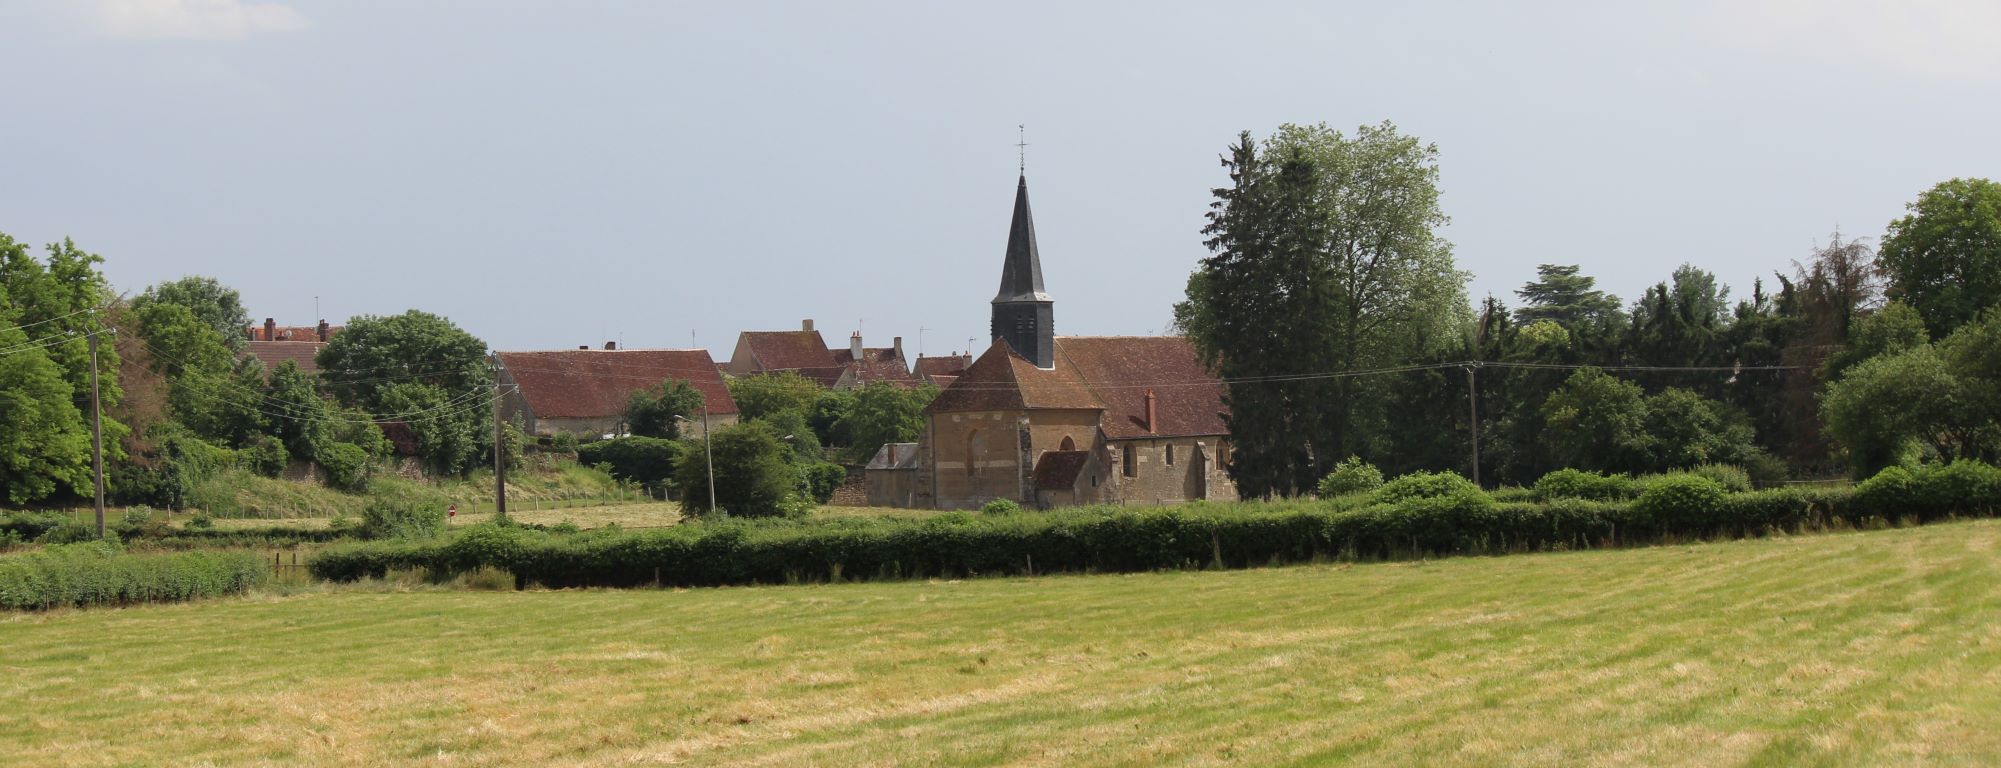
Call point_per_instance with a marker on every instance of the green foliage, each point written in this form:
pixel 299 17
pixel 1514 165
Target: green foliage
pixel 752 476
pixel 819 480
pixel 1578 484
pixel 1351 476
pixel 1733 479
pixel 1683 502
pixel 1562 296
pixel 383 519
pixel 99 573
pixel 43 439
pixel 1944 258
pixel 426 371
pixel 645 460
pixel 450 435
pixel 563 442
pixel 1424 485
pixel 1885 405
pixel 305 420
pixel 763 395
pixel 218 307
pixel 1892 329
pixel 264 455
pixel 1000 507
pixel 658 411
pixel 30 525
pixel 347 466
pixel 829 417
pixel 884 413
pixel 1310 271
pixel 1597 422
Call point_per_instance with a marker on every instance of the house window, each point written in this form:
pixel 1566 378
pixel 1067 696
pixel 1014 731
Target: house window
pixel 1170 454
pixel 1131 456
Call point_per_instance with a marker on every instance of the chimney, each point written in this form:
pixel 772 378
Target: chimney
pixel 325 330
pixel 1152 416
pixel 855 345
pixel 611 345
pixel 583 346
pixel 806 324
pixel 896 343
pixel 270 329
pixel 892 455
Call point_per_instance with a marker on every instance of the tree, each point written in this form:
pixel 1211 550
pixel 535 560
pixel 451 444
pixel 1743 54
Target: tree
pixel 44 444
pixel 216 305
pixel 420 369
pixel 1597 422
pixel 1890 407
pixel 305 425
pixel 1896 327
pixel 752 477
pixel 208 389
pixel 764 394
pixel 1569 299
pixel 657 411
pixel 1944 258
pixel 885 413
pixel 1323 260
pixel 1685 429
pixel 59 301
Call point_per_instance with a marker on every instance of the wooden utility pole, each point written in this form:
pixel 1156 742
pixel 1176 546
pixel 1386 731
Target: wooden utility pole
pixel 96 429
pixel 499 453
pixel 1473 411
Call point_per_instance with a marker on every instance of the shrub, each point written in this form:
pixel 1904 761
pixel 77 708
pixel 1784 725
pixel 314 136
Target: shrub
pixel 1422 485
pixel 264 455
pixel 563 442
pixel 401 520
pixel 1351 476
pixel 644 460
pixel 1578 484
pixel 347 466
pixel 1688 504
pixel 98 573
pixel 821 479
pixel 1000 507
pixel 1733 479
pixel 30 525
pixel 70 532
pixel 1889 494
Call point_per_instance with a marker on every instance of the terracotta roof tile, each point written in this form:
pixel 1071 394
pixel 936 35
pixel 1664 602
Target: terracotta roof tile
pixel 271 353
pixel 788 350
pixel 929 368
pixel 1001 380
pixel 1120 370
pixel 595 383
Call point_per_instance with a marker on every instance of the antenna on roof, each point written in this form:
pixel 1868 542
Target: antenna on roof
pixel 920 340
pixel 1021 147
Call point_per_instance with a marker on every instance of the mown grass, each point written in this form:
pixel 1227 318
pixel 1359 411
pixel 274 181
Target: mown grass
pixel 1877 648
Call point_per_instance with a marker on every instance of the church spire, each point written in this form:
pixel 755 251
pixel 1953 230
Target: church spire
pixel 1023 314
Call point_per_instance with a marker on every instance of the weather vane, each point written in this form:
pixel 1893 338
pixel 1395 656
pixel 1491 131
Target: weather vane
pixel 1021 146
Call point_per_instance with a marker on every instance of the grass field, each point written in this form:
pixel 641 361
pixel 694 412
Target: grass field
pixel 1879 648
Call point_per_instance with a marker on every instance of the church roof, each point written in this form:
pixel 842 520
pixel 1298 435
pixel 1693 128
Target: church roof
pixel 788 350
pixel 1108 373
pixel 596 383
pixel 1021 276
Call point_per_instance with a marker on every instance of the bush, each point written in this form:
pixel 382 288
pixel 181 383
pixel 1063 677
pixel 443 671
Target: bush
pixel 648 461
pixel 563 442
pixel 821 479
pixel 1000 507
pixel 30 525
pixel 264 455
pixel 1687 504
pixel 98 573
pixel 401 520
pixel 1423 485
pixel 1351 476
pixel 1578 484
pixel 347 466
pixel 1733 479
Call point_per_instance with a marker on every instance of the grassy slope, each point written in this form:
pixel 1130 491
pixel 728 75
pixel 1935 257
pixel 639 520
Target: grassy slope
pixel 1860 649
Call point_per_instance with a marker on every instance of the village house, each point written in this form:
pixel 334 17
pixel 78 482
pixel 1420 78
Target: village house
pixel 805 353
pixel 585 391
pixel 1046 420
pixel 272 344
pixel 941 371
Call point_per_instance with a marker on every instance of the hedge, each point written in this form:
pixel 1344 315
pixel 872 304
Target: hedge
pixel 98 573
pixel 1116 539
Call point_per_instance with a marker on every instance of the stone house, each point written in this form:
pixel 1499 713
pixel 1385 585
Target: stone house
pixel 272 344
pixel 890 478
pixel 1047 420
pixel 805 353
pixel 584 391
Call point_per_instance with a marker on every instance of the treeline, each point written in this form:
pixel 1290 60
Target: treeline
pixel 1341 323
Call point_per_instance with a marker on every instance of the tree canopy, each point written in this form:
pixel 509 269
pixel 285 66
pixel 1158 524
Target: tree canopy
pixel 1944 258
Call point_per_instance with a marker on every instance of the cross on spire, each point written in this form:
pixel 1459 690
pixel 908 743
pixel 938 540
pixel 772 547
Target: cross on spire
pixel 1021 146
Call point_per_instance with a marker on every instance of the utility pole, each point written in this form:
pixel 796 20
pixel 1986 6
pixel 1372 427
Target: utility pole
pixel 709 457
pixel 96 429
pixel 1473 411
pixel 499 452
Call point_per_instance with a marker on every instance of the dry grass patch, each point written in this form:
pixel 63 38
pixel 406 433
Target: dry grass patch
pixel 1875 648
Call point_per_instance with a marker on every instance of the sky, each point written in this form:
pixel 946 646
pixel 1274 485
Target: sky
pixel 664 174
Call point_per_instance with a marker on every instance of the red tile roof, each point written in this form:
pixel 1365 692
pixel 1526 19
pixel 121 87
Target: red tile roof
pixel 929 368
pixel 877 364
pixel 1112 373
pixel 271 353
pixel 292 332
pixel 787 350
pixel 595 383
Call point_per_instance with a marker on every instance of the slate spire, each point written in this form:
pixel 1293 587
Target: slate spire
pixel 1023 315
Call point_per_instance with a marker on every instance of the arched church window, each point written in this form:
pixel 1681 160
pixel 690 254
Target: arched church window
pixel 1068 444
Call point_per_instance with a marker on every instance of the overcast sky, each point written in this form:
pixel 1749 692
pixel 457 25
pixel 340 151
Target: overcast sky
pixel 553 174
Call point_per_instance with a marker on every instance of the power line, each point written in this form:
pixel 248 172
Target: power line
pixel 52 319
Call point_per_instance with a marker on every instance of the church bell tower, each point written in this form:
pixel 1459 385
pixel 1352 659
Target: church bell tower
pixel 1024 316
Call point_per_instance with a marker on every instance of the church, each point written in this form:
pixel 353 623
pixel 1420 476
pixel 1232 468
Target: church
pixel 1047 421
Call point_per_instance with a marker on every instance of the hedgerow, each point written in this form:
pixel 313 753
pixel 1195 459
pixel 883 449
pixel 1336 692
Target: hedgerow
pixel 99 573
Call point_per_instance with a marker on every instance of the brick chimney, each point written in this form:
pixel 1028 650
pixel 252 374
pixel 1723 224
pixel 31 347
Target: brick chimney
pixel 806 324
pixel 325 330
pixel 855 345
pixel 583 346
pixel 613 345
pixel 896 343
pixel 1152 414
pixel 270 329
